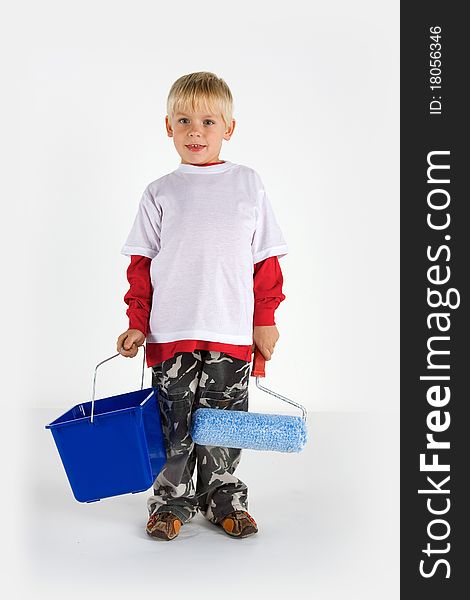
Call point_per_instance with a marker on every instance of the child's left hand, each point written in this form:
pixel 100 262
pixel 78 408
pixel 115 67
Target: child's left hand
pixel 265 338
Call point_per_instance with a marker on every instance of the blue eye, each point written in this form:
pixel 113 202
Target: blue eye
pixel 206 121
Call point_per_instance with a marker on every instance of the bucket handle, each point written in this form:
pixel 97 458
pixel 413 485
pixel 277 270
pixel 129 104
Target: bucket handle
pixel 258 370
pixel 105 360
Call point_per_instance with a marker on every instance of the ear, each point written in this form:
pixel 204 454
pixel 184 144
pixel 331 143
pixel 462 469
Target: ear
pixel 169 129
pixel 229 132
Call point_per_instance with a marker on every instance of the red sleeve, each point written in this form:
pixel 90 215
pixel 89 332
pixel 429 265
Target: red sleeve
pixel 139 296
pixel 267 286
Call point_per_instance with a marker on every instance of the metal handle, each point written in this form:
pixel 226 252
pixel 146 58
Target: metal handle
pixel 258 371
pixel 105 360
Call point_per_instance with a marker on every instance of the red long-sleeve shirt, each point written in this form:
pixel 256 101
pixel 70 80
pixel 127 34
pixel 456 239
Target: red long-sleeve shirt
pixel 267 289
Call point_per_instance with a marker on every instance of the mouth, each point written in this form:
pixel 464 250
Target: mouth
pixel 195 147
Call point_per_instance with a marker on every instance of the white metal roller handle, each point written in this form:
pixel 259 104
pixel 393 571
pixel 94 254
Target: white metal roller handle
pixel 258 370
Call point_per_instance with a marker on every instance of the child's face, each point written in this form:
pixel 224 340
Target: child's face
pixel 202 128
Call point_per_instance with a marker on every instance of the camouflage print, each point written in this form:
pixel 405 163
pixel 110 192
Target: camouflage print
pixel 187 381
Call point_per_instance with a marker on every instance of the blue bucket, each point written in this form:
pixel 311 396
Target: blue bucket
pixel 111 446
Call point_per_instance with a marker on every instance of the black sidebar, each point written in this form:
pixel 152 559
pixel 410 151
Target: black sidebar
pixel 435 298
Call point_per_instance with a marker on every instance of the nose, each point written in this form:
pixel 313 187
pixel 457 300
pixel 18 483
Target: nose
pixel 195 130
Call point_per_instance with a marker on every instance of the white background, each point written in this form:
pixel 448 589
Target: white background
pixel 316 95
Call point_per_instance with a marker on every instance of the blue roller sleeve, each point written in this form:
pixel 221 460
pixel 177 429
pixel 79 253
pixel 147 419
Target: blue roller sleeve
pixel 255 431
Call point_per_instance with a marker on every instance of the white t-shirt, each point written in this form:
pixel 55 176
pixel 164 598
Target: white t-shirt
pixel 204 228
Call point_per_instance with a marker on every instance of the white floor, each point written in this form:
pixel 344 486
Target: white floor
pixel 328 522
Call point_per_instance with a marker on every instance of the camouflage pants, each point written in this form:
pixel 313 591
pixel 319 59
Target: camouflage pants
pixel 187 381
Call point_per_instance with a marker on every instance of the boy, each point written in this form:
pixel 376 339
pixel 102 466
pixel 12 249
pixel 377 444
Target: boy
pixel 204 283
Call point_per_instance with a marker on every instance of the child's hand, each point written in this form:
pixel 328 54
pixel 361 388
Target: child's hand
pixel 128 342
pixel 265 338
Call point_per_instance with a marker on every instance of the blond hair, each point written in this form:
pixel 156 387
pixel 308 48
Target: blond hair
pixel 202 91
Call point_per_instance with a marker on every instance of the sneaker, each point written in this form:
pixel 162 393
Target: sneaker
pixel 163 525
pixel 239 524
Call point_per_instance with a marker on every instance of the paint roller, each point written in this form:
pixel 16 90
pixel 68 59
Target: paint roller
pixel 255 431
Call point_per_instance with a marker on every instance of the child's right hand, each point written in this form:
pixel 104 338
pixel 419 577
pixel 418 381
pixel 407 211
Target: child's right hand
pixel 128 342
